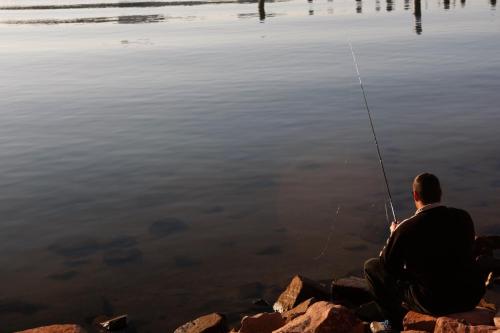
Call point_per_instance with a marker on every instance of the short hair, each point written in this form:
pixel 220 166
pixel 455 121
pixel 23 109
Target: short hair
pixel 427 187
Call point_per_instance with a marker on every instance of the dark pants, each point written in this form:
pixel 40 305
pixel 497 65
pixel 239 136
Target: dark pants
pixel 390 294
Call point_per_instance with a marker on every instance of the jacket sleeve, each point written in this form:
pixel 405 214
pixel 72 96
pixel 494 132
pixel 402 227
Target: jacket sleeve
pixel 393 254
pixel 470 232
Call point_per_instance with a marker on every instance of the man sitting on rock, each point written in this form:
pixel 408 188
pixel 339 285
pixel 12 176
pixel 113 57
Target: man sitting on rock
pixel 428 263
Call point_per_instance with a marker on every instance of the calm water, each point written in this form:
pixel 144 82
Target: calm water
pixel 170 159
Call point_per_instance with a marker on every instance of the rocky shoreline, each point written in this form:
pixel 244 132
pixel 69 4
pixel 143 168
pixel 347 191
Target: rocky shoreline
pixel 317 307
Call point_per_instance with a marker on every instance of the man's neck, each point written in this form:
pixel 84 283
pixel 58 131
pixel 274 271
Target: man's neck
pixel 421 207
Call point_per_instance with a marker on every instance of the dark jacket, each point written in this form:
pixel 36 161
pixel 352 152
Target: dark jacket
pixel 433 253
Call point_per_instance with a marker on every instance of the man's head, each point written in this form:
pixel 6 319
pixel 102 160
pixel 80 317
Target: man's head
pixel 426 189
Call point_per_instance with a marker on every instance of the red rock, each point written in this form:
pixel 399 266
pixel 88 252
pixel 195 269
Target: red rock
pixel 298 310
pixel 262 323
pixel 211 323
pixel 413 331
pixel 56 329
pixel 478 316
pixel 324 317
pixel 450 325
pixel 496 319
pixel 419 322
pixel 299 290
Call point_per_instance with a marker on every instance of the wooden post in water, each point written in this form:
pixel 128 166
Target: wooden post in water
pixel 262 10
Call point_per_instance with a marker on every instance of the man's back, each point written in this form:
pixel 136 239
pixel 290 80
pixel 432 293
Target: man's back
pixel 433 251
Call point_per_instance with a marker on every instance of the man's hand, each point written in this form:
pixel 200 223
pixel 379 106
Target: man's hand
pixel 393 226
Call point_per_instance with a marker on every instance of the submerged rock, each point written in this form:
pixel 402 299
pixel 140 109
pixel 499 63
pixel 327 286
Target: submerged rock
pixel 299 290
pixel 260 302
pixel 324 317
pixel 211 323
pixel 56 329
pixel 167 227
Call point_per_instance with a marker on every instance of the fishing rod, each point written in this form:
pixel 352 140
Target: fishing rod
pixel 374 134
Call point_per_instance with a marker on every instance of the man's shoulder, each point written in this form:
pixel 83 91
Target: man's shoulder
pixel 444 213
pixel 408 223
pixel 458 212
pixel 438 212
pixel 443 209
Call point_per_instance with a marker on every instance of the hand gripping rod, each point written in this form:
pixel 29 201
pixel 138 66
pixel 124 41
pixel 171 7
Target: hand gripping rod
pixel 374 134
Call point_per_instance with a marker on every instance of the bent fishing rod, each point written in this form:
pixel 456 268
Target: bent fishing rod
pixel 374 134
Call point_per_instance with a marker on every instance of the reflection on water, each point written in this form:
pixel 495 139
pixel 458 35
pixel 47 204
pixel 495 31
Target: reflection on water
pixel 262 15
pixel 389 5
pixel 418 17
pixel 154 18
pixel 129 4
pixel 127 19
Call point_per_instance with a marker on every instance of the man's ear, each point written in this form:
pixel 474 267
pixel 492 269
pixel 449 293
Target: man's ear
pixel 416 197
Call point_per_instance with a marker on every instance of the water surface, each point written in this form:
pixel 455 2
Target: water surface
pixel 170 159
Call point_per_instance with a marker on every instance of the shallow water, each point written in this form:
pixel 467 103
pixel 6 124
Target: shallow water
pixel 169 159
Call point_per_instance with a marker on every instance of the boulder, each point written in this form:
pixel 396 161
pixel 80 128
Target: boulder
pixel 299 290
pixel 324 317
pixel 419 322
pixel 211 323
pixel 423 322
pixel 369 312
pixel 478 316
pixel 262 323
pixel 56 329
pixel 450 325
pixel 350 291
pixel 496 319
pixel 413 331
pixel 299 310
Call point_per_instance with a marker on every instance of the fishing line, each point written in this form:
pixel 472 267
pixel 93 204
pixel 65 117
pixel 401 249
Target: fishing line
pixel 373 131
pixel 332 228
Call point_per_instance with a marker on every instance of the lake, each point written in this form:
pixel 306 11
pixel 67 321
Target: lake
pixel 172 159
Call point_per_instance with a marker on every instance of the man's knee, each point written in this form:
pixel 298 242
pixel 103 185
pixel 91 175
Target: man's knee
pixel 372 265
